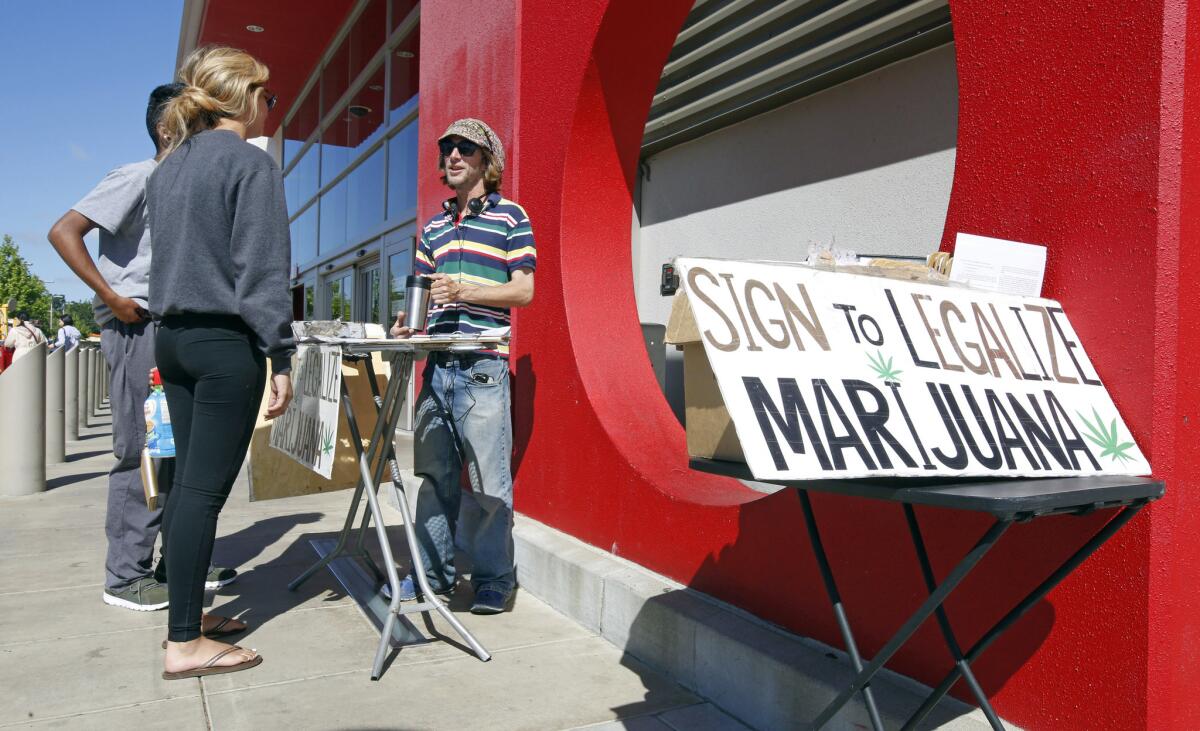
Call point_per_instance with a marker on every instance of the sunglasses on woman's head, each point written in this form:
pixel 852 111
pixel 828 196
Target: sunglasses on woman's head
pixel 466 148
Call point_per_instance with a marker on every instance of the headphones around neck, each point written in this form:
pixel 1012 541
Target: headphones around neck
pixel 475 206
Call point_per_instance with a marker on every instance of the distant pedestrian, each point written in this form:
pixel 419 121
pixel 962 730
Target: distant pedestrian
pixel 23 336
pixel 68 334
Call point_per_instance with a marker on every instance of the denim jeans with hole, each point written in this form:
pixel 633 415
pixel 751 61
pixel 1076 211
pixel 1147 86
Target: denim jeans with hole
pixel 463 416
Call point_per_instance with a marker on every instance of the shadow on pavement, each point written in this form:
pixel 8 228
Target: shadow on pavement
pixel 57 482
pixel 260 593
pixel 87 455
pixel 93 435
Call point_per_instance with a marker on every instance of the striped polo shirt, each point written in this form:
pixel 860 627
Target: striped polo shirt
pixel 482 250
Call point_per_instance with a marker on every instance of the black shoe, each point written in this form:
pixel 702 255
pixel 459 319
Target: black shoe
pixel 490 601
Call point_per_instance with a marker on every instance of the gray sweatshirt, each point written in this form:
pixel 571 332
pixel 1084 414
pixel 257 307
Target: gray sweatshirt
pixel 221 242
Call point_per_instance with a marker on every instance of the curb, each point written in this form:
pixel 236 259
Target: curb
pixel 754 671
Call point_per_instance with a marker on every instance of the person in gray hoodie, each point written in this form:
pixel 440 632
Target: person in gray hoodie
pixel 219 285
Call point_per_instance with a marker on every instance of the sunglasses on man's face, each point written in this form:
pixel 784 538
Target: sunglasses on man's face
pixel 466 148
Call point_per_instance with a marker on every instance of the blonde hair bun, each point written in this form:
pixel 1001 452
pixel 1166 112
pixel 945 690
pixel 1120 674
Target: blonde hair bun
pixel 221 82
pixel 201 98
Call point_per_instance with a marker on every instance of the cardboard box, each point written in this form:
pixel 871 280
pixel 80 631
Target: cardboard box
pixel 710 431
pixel 273 474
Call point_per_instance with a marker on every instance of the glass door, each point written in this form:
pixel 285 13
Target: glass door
pixel 339 295
pixel 370 305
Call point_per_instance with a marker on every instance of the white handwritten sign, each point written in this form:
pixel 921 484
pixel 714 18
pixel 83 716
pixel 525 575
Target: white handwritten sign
pixel 839 375
pixel 307 431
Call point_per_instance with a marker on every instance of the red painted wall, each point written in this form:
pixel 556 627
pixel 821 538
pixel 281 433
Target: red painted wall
pixel 1072 121
pixel 1174 571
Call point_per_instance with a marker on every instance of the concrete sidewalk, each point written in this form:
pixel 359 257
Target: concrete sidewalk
pixel 69 661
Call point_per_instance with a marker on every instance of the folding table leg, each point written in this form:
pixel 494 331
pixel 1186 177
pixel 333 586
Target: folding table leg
pixel 360 549
pixel 389 564
pixel 814 537
pixel 906 631
pixel 1054 579
pixel 373 383
pixel 962 664
pixel 348 527
pixel 418 568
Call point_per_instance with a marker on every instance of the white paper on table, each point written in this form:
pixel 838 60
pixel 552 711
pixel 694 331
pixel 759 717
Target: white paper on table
pixel 998 265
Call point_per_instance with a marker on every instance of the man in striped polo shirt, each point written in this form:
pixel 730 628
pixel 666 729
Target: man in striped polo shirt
pixel 479 252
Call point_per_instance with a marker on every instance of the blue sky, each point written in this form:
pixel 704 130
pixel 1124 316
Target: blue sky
pixel 73 89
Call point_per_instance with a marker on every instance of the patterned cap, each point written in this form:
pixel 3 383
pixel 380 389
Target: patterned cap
pixel 479 133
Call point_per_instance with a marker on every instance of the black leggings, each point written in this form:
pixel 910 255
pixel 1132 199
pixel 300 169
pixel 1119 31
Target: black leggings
pixel 213 375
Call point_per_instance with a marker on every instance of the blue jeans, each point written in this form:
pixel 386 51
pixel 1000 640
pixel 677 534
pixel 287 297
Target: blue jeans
pixel 464 416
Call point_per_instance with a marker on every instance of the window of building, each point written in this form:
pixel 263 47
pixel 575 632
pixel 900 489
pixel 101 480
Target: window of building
pixel 304 237
pixel 402 174
pixel 301 182
pixel 339 294
pixel 367 36
pixel 335 149
pixel 405 63
pixel 335 78
pixel 365 115
pixel 400 11
pixel 338 141
pixel 399 267
pixel 364 198
pixel 301 126
pixel 359 179
pixel 333 219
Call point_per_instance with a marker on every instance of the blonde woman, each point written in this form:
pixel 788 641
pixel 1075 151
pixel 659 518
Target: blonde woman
pixel 218 283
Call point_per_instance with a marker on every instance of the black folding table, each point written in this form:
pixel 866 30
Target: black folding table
pixel 1008 501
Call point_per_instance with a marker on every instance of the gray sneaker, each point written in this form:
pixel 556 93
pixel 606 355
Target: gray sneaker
pixel 143 595
pixel 219 576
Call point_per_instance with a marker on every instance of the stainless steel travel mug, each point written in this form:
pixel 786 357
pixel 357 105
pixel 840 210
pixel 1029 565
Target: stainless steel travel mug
pixel 416 310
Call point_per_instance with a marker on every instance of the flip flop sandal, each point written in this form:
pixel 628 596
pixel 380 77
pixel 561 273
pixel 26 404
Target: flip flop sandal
pixel 217 632
pixel 210 668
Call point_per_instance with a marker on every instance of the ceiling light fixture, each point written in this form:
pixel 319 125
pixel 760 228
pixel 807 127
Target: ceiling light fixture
pixel 376 87
pixel 358 110
pixel 255 28
pixel 406 54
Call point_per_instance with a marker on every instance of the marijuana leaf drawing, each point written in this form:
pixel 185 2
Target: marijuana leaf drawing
pixel 883 368
pixel 327 441
pixel 1106 438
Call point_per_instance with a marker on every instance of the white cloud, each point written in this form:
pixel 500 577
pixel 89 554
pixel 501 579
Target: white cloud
pixel 78 152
